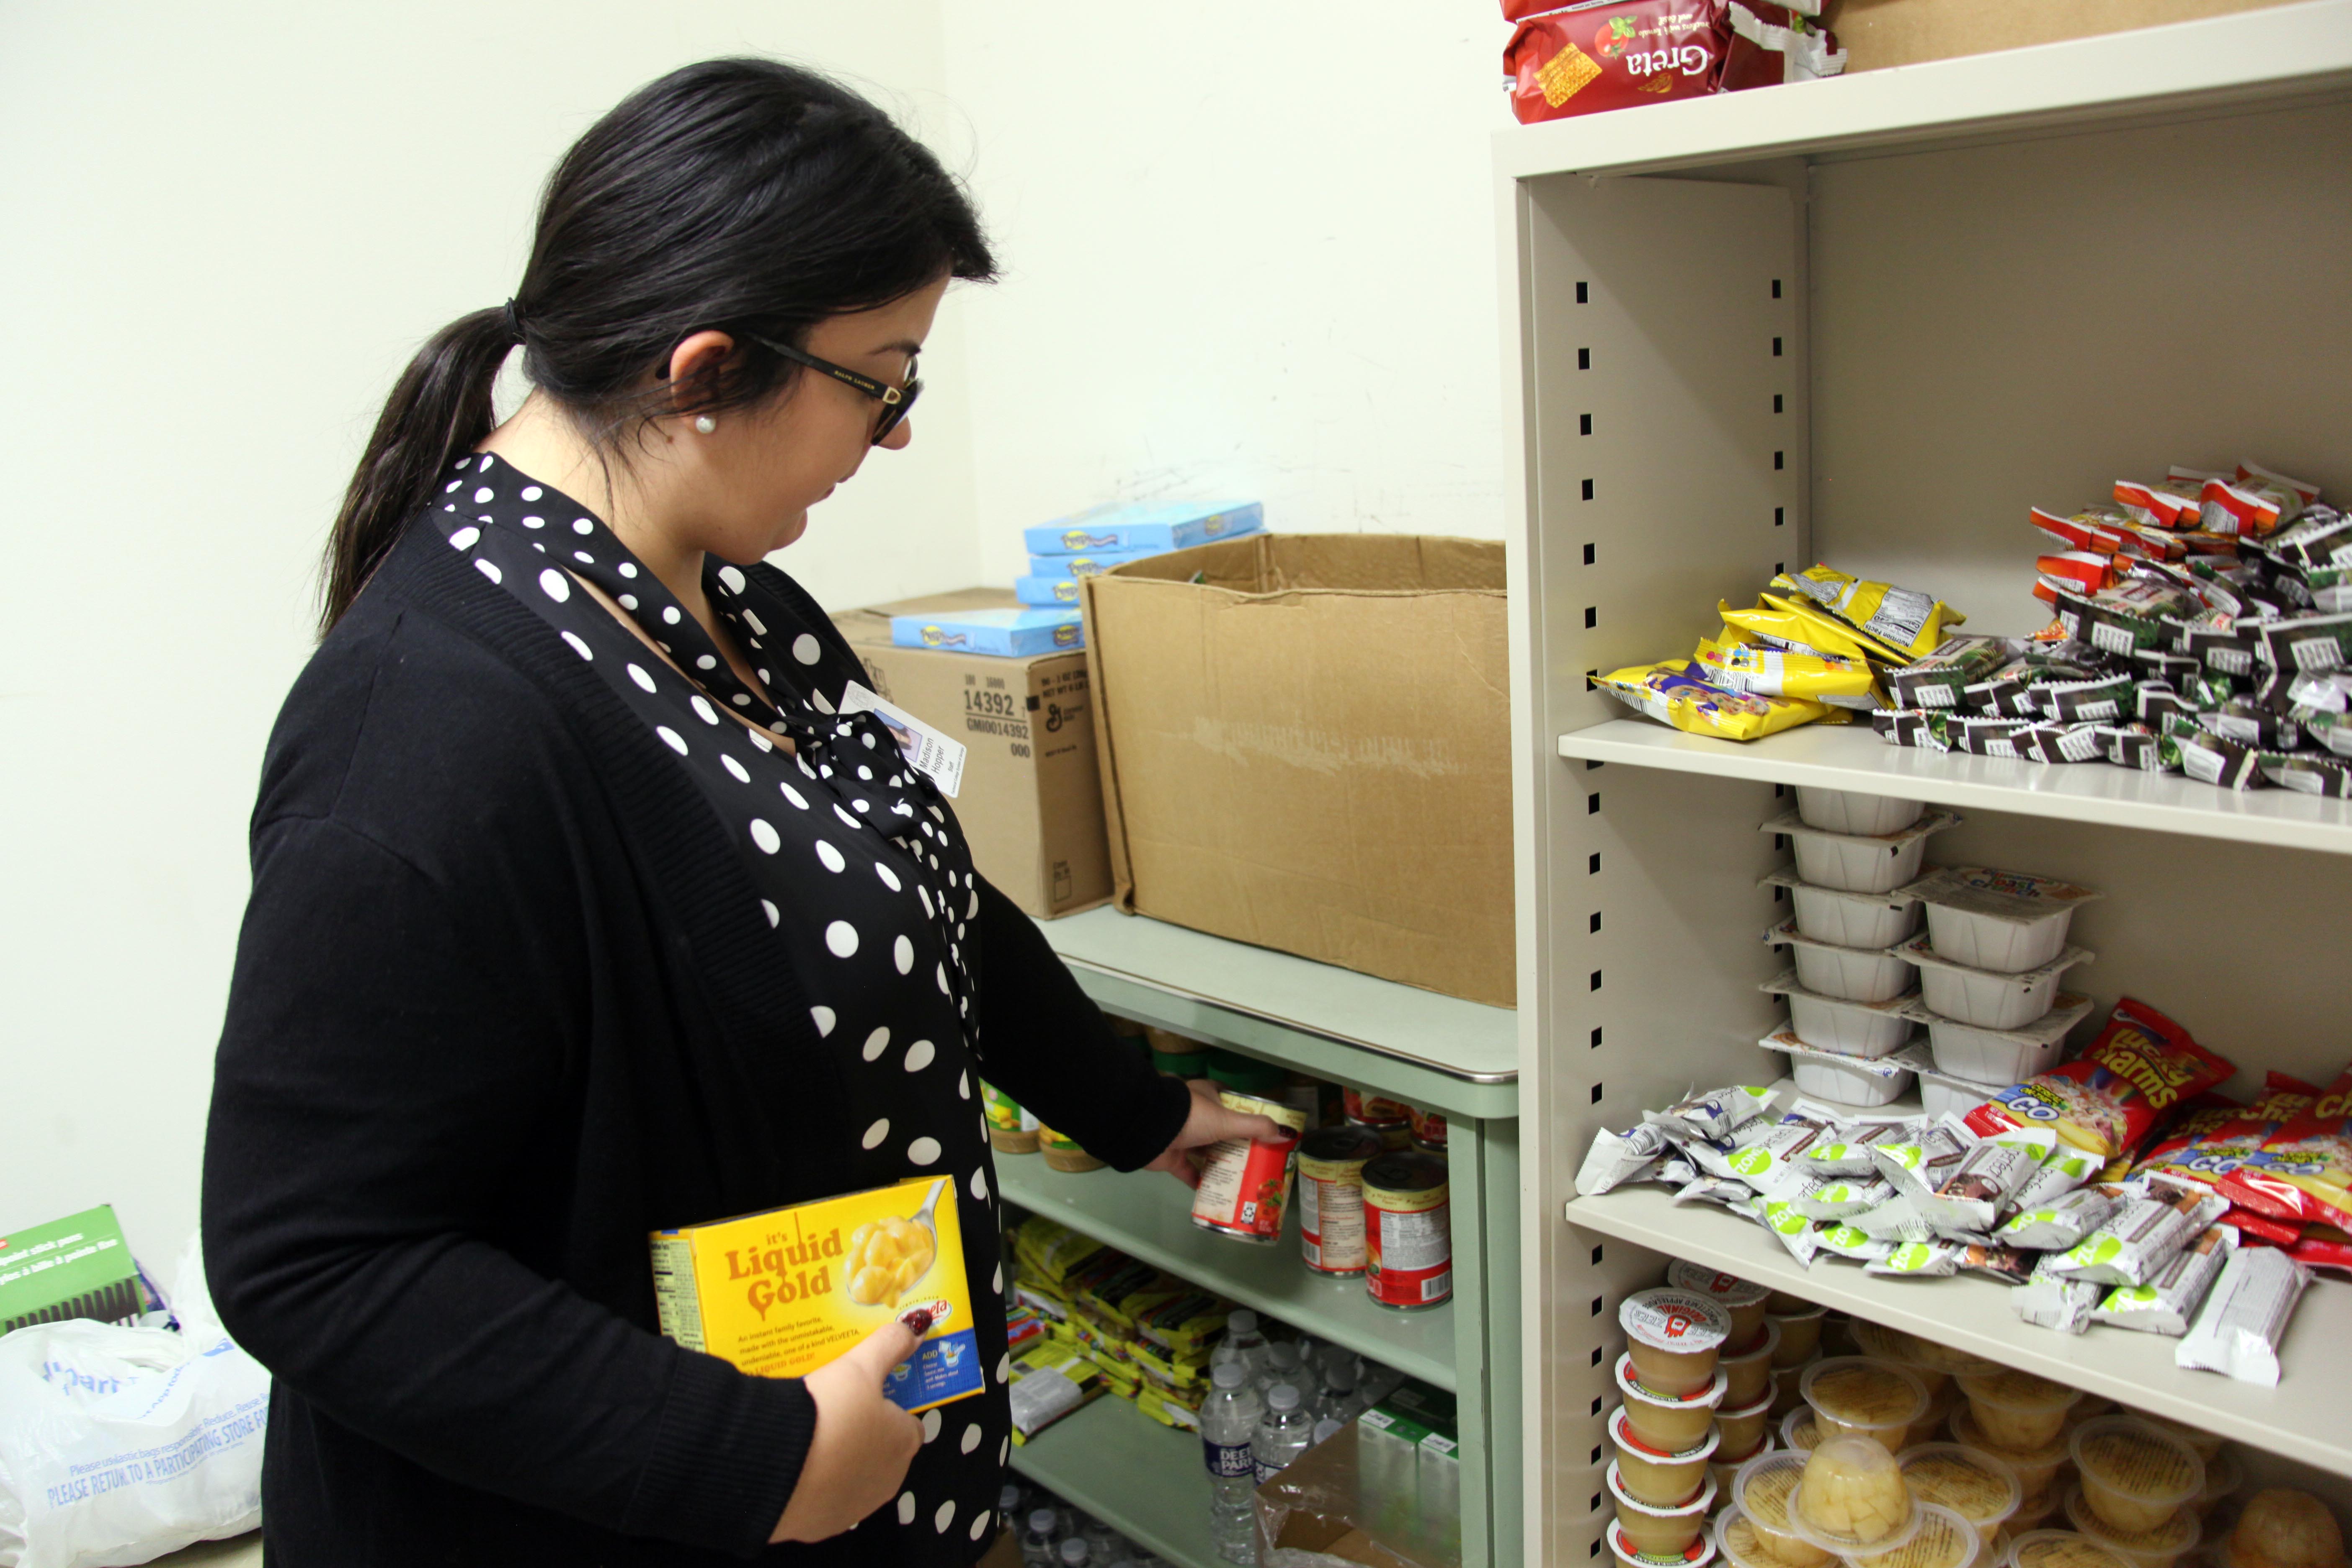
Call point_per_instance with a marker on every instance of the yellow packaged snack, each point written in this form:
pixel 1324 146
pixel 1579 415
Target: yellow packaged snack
pixel 1910 621
pixel 1800 626
pixel 1048 1252
pixel 1737 664
pixel 1675 693
pixel 782 1293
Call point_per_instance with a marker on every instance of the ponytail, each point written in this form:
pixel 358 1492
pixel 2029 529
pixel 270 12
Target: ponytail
pixel 439 409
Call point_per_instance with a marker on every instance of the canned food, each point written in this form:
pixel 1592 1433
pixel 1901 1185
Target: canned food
pixel 1395 1137
pixel 1063 1152
pixel 1408 1238
pixel 1245 1184
pixel 1331 1197
pixel 1011 1128
pixel 1428 1130
pixel 1375 1110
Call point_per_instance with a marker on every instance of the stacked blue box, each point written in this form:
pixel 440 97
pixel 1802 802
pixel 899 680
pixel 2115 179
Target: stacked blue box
pixel 1086 563
pixel 1132 529
pixel 1035 590
pixel 1006 634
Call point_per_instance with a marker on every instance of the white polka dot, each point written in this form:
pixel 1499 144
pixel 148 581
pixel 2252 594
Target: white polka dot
pixel 1003 1447
pixel 874 1134
pixel 531 492
pixel 704 661
pixel 774 919
pixel 582 526
pixel 865 774
pixel 487 461
pixel 453 484
pixel 932 1425
pixel 842 937
pixel 1003 1367
pixel 742 775
pixel 741 699
pixel 941 972
pixel 792 794
pixel 765 838
pixel 671 738
pixel 703 710
pixel 806 649
pixel 555 585
pixel 861 805
pixel 980 1520
pixel 753 621
pixel 763 743
pixel 637 674
pixel 669 614
pixel 577 646
pixel 902 953
pixel 487 569
pixel 920 1054
pixel 997 1284
pixel 628 602
pixel 847 817
pixel 465 537
pixel 890 878
pixel 534 522
pixel 732 578
pixel 483 494
pixel 963 1086
pixel 906 1508
pixel 628 569
pixel 971 1441
pixel 868 739
pixel 830 856
pixel 975 905
pixel 818 703
pixel 923 893
pixel 582 557
pixel 980 1186
pixel 825 1020
pixel 945 1517
pixel 923 1152
pixel 877 1043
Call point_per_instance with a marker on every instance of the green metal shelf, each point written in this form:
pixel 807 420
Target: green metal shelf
pixel 1147 1214
pixel 1143 1479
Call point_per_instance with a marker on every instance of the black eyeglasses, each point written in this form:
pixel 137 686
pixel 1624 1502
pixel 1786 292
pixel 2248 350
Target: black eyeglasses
pixel 895 400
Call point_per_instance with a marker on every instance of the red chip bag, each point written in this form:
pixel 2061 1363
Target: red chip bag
pixel 2256 1228
pixel 2141 1069
pixel 2303 1171
pixel 2322 1246
pixel 1615 54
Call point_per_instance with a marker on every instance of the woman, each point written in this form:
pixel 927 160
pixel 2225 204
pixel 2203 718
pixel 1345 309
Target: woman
pixel 581 910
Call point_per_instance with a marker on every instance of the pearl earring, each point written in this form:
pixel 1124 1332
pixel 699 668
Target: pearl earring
pixel 705 422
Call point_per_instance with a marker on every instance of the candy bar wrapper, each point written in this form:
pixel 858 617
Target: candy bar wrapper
pixel 2329 777
pixel 2210 759
pixel 1941 680
pixel 2237 1331
pixel 1795 1231
pixel 1769 47
pixel 1918 1260
pixel 1838 1198
pixel 1918 1167
pixel 1987 1178
pixel 2059 1224
pixel 2010 1264
pixel 2050 1301
pixel 1617 1158
pixel 2063 1169
pixel 1897 1220
pixel 2141 1233
pixel 1615 54
pixel 2167 1304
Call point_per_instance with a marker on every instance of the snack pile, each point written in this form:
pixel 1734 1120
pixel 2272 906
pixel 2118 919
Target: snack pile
pixel 1596 55
pixel 1895 1452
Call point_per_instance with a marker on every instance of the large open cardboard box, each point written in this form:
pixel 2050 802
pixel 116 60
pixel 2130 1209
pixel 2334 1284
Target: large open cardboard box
pixel 1308 749
pixel 1032 799
pixel 1876 33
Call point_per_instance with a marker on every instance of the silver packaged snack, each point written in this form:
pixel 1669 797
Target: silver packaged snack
pixel 1674 1170
pixel 2237 1331
pixel 1768 1156
pixel 1795 1231
pixel 2063 1169
pixel 1716 1115
pixel 1989 1175
pixel 1845 1241
pixel 1734 1195
pixel 2059 1224
pixel 1846 1151
pixel 1917 1166
pixel 2049 1300
pixel 2142 1232
pixel 1838 1197
pixel 1617 1158
pixel 1918 1260
pixel 2168 1303
pixel 2010 1264
pixel 1897 1220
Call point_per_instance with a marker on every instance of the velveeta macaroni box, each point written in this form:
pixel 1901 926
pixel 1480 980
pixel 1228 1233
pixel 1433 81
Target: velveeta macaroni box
pixel 782 1293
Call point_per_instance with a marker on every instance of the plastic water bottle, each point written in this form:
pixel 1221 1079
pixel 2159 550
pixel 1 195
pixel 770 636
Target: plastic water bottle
pixel 1073 1554
pixel 1008 1504
pixel 1104 1544
pixel 1335 1400
pixel 1326 1429
pixel 1375 1382
pixel 1040 1539
pixel 1284 1432
pixel 1281 1366
pixel 1243 1342
pixel 1229 1421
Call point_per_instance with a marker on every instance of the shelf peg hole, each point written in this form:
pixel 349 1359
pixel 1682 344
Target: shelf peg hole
pixel 1776 288
pixel 1592 865
pixel 1580 287
pixel 1588 555
pixel 1584 359
pixel 1596 980
pixel 1596 1410
pixel 1596 1263
pixel 1592 803
pixel 1587 489
pixel 1776 347
pixel 1596 1040
pixel 1596 1351
pixel 1596 922
pixel 1779 462
pixel 1775 403
pixel 1596 1306
pixel 1779 515
pixel 1584 424
pixel 1592 617
pixel 1596 1094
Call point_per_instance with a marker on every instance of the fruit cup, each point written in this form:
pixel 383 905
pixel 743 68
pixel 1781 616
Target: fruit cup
pixel 1663 1422
pixel 1661 1533
pixel 1659 1480
pixel 2133 1475
pixel 1675 1337
pixel 1855 1396
pixel 1852 1497
pixel 2016 1410
pixel 1761 1492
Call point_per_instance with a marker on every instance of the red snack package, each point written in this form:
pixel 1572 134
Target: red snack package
pixel 2303 1171
pixel 2322 1246
pixel 1771 46
pixel 2254 1228
pixel 1615 54
pixel 2207 1143
pixel 2141 1069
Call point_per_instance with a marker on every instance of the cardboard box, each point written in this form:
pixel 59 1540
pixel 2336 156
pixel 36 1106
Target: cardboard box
pixel 1329 1500
pixel 1877 34
pixel 1309 750
pixel 1032 800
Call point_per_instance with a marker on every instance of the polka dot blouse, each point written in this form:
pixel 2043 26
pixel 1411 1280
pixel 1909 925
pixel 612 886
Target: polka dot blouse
pixel 860 870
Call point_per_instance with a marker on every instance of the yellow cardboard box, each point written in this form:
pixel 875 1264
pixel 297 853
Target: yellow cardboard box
pixel 782 1293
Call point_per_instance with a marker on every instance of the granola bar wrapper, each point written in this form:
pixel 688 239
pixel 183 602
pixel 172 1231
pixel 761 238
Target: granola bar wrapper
pixel 2168 1303
pixel 2237 1331
pixel 2137 1240
pixel 2304 1171
pixel 2139 1071
pixel 2051 1300
pixel 1615 54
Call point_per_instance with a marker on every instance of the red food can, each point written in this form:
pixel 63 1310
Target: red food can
pixel 1245 1184
pixel 1428 1131
pixel 1408 1232
pixel 1331 1197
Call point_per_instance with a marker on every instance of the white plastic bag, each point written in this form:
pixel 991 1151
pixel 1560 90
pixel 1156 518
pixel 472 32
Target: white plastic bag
pixel 120 1444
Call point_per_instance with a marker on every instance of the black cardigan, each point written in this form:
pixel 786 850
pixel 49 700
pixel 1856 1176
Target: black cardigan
pixel 503 1003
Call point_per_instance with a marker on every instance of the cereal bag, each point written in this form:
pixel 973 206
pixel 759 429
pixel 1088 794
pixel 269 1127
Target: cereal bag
pixel 2305 1170
pixel 2141 1068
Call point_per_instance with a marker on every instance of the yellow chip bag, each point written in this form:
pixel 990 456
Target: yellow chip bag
pixel 1799 626
pixel 1737 664
pixel 1910 621
pixel 1675 693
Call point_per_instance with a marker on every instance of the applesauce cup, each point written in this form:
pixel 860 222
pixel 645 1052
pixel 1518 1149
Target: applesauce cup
pixel 1761 1492
pixel 1800 1335
pixel 2223 1475
pixel 1676 1338
pixel 2175 1538
pixel 1744 1431
pixel 1697 1555
pixel 1852 1497
pixel 1789 1388
pixel 2133 1475
pixel 1750 1370
pixel 1664 1422
pixel 1660 1535
pixel 1654 1479
pixel 1856 1396
pixel 2016 1410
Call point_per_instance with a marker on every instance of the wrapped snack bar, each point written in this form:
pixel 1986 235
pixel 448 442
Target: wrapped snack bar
pixel 2237 1331
pixel 2167 1302
pixel 1912 623
pixel 1676 692
pixel 2141 1235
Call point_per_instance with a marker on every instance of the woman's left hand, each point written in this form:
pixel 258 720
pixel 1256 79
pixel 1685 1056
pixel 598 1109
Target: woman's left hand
pixel 1210 1123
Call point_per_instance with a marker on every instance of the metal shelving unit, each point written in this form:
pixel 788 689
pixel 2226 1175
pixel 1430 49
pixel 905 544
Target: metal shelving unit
pixel 1451 1056
pixel 1872 321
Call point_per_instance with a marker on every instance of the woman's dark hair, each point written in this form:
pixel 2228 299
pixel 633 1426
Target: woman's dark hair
pixel 739 194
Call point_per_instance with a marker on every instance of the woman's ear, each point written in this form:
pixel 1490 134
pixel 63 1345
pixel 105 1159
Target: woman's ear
pixel 696 364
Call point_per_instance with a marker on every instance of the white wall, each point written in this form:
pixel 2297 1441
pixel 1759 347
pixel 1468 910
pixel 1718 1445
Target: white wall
pixel 227 227
pixel 1249 253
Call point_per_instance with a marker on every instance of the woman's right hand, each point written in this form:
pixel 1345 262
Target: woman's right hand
pixel 859 1457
